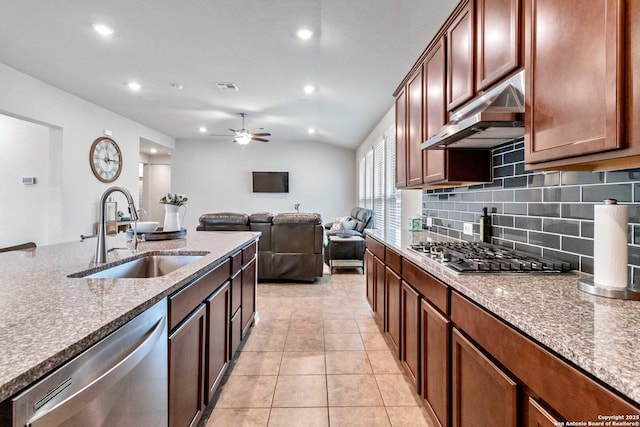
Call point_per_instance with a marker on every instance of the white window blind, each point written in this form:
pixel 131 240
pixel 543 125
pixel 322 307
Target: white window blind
pixel 362 192
pixel 392 195
pixel 378 185
pixel 368 181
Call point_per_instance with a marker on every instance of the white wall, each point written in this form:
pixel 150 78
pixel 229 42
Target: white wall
pixel 75 124
pixel 216 176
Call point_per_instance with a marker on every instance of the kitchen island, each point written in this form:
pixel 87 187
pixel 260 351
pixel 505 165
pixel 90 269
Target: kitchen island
pixel 46 317
pixel 545 313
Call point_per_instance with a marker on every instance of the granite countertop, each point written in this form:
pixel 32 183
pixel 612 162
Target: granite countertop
pixel 600 335
pixel 46 318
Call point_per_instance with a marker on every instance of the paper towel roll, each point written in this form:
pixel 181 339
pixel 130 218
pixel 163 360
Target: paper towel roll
pixel 610 246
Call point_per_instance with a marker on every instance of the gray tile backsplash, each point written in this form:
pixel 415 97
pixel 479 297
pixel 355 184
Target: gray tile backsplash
pixel 544 213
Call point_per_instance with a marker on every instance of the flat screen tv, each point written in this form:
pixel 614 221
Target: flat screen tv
pixel 270 182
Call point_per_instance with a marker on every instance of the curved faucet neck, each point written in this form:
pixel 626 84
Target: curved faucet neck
pixel 101 248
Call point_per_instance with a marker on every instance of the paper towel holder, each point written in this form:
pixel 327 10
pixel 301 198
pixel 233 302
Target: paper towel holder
pixel 589 285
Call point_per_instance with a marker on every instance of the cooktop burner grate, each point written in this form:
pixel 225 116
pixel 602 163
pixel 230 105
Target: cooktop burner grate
pixel 476 257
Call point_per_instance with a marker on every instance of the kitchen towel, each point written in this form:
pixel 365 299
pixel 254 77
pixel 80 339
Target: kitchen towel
pixel 610 246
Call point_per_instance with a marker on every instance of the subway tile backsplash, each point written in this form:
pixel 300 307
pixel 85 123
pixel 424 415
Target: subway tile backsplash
pixel 544 213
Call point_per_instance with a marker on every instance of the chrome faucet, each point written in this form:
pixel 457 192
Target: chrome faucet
pixel 101 248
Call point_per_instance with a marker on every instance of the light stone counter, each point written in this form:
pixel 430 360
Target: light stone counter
pixel 600 335
pixel 46 317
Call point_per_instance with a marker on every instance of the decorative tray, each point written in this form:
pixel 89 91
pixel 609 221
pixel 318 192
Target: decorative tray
pixel 160 235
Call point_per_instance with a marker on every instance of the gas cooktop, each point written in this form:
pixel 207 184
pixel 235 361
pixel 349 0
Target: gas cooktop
pixel 476 257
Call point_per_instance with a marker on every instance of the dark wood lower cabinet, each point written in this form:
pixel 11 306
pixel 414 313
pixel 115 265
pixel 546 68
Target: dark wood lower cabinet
pixel 186 370
pixel 235 333
pixel 393 284
pixel 217 346
pixel 410 327
pixel 483 395
pixel 436 367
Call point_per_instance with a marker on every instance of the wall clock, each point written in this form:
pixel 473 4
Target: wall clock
pixel 105 159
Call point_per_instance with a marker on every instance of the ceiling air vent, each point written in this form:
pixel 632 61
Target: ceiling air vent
pixel 227 86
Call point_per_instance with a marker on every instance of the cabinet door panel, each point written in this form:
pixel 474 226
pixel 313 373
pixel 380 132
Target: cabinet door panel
pixel 248 295
pixel 483 395
pixel 394 292
pixel 217 354
pixel 573 78
pixel 414 129
pixel 498 40
pixel 410 338
pixel 435 110
pixel 539 416
pixel 371 278
pixel 380 293
pixel 186 370
pixel 436 356
pixel 460 58
pixel 401 139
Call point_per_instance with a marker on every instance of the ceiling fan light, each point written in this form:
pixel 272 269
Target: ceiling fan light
pixel 243 138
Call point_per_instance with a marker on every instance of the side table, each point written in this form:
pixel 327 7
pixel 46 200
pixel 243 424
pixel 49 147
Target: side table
pixel 346 252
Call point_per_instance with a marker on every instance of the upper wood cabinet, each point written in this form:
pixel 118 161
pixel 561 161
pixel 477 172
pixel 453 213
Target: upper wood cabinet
pixel 414 128
pixel 574 63
pixel 435 111
pixel 498 41
pixel 401 139
pixel 460 57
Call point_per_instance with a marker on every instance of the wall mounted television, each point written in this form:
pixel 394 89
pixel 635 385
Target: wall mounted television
pixel 270 182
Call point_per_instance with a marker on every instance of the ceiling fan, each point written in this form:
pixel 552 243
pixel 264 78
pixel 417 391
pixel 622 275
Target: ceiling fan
pixel 243 137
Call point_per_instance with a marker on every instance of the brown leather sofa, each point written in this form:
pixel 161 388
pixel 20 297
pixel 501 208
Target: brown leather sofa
pixel 290 247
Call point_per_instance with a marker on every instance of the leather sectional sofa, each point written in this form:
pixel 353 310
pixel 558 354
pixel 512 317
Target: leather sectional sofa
pixel 290 247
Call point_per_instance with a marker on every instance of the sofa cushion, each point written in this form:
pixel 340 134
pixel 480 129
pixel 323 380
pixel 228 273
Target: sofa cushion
pixel 261 217
pixel 297 218
pixel 364 216
pixel 224 218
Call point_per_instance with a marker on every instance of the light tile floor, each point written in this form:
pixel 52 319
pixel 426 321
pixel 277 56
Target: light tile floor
pixel 316 358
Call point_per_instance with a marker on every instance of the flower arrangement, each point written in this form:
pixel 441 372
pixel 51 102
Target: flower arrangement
pixel 174 199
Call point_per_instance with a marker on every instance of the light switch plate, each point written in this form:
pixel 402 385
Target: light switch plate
pixel 467 228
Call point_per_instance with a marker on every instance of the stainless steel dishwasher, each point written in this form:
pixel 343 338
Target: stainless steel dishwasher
pixel 119 381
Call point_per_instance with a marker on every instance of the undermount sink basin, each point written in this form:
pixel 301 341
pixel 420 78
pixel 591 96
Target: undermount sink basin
pixel 146 266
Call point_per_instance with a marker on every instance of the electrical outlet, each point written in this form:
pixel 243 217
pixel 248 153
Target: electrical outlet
pixel 429 221
pixel 467 228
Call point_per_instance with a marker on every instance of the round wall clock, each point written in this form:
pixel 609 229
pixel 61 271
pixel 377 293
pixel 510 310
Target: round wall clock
pixel 105 159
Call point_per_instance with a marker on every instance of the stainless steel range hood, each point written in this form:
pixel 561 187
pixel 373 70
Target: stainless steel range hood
pixel 491 119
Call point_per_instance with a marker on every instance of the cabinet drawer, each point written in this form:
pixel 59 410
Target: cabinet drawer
pixel 432 289
pixel 375 247
pixel 236 262
pixel 249 252
pixel 188 298
pixel 393 260
pixel 546 375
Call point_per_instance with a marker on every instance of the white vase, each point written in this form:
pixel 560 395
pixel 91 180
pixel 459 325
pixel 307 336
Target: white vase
pixel 172 217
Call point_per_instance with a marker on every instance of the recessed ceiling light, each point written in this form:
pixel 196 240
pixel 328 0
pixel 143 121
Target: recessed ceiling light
pixel 311 131
pixel 153 151
pixel 103 30
pixel 202 129
pixel 134 86
pixel 304 33
pixel 177 86
pixel 309 89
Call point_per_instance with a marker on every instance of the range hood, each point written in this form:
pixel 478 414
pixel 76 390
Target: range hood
pixel 493 118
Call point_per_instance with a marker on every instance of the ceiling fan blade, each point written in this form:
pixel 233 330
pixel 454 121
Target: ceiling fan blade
pixel 259 139
pixel 233 130
pixel 261 134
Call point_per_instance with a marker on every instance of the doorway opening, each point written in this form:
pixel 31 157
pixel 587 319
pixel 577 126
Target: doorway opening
pixel 154 173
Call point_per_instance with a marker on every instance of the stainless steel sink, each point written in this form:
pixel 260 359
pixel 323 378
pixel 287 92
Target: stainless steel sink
pixel 146 266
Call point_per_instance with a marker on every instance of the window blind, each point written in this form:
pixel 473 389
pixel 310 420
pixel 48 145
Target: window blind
pixel 379 185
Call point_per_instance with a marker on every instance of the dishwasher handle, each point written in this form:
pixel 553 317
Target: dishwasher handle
pixel 72 404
